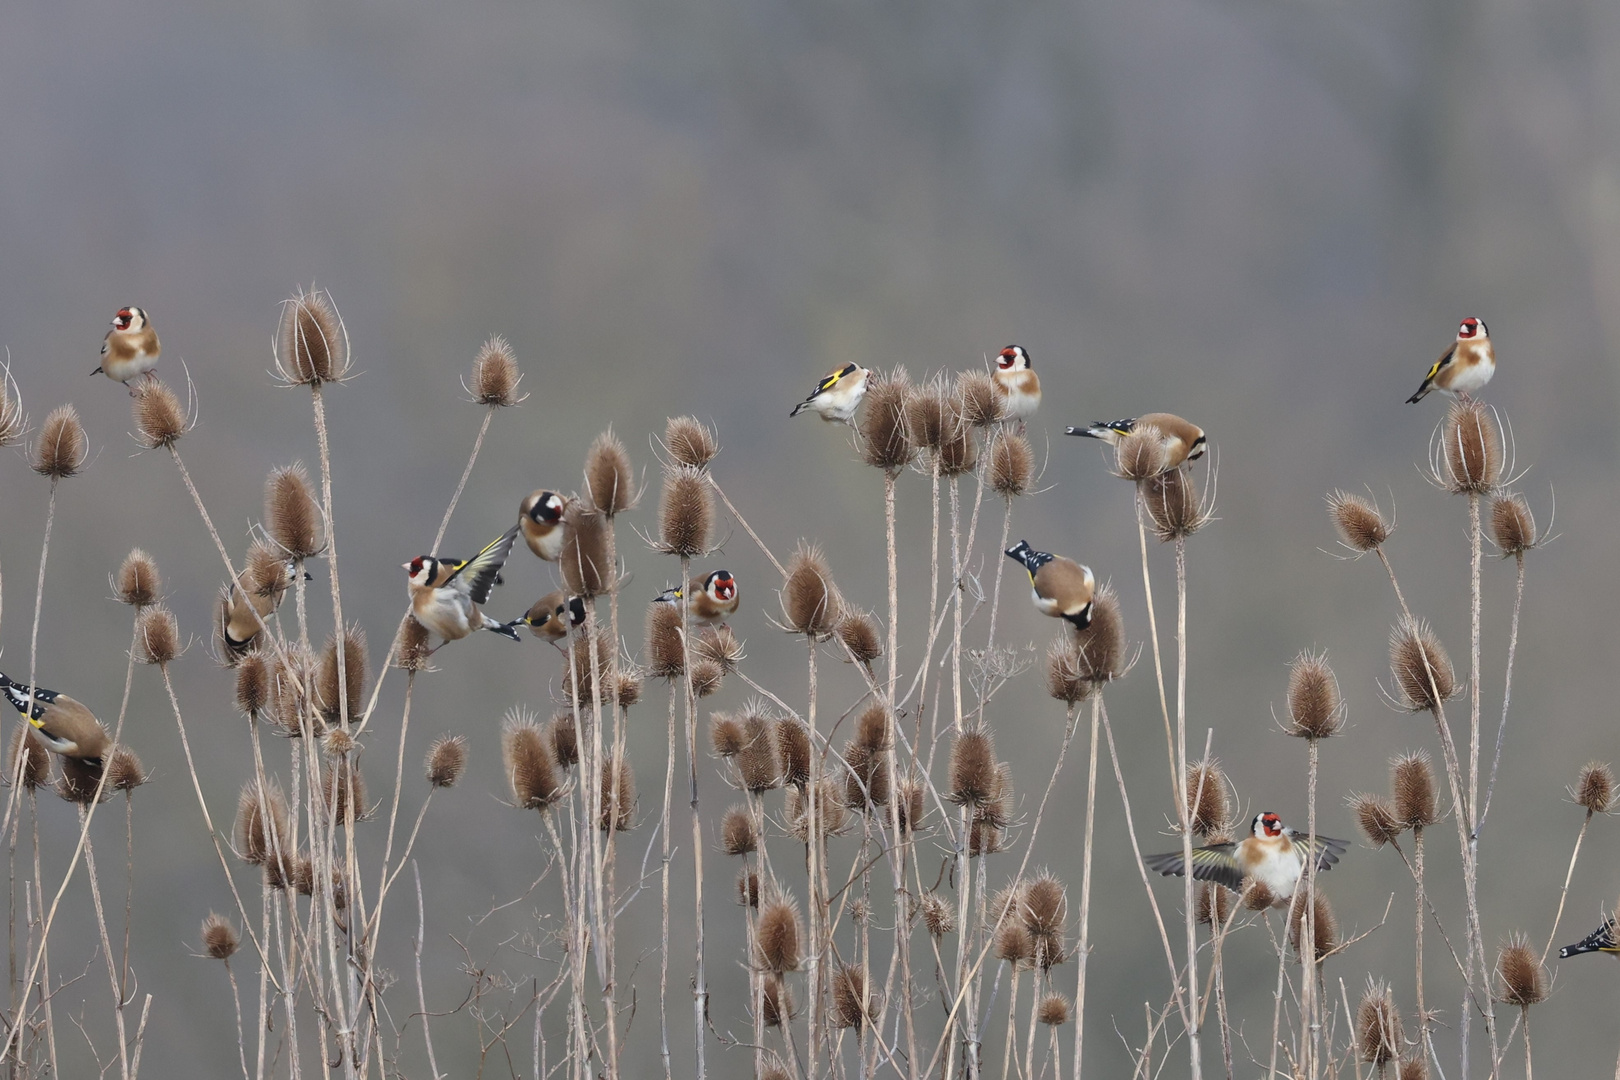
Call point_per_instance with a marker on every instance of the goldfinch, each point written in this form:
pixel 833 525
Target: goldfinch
pixel 1060 587
pixel 1464 368
pixel 836 397
pixel 242 610
pixel 1017 383
pixel 130 348
pixel 553 615
pixel 714 598
pixel 1274 855
pixel 1183 441
pixel 448 604
pixel 60 724
pixel 1603 939
pixel 540 515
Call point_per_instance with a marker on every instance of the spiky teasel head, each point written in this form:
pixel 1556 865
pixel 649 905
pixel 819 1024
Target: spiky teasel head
pixel 627 688
pixel 1361 527
pixel 1469 460
pixel 874 728
pixel 302 878
pixel 1174 505
pixel 253 694
pixel 79 782
pixel 583 559
pixel 690 441
pixel 36 763
pixel 579 681
pixel 495 375
pixel 685 512
pixel 748 888
pixel 1521 980
pixel 124 770
pixel 831 815
pixel 1209 810
pixel 737 835
pixel 937 915
pixel 138 583
pixel 219 937
pixel 412 646
pixel 859 633
pixel 983 838
pixel 562 736
pixel 344 789
pixel 618 807
pixel 850 1006
pixel 810 602
pixel 265 571
pixel 1013 943
pixel 1379 1038
pixel 977 401
pixel 1099 649
pixel 997 810
pixel 1043 907
pixel 159 417
pixel 1257 897
pixel 718 645
pixel 1214 904
pixel 929 421
pixel 910 805
pixel 1012 465
pixel 530 767
pixel 974 778
pixel 959 449
pixel 706 678
pixel 1065 677
pixel 1139 455
pixel 885 441
pixel 290 675
pixel 292 517
pixel 1594 787
pixel 1055 1010
pixel 1325 922
pixel 13 421
pixel 1415 1068
pixel 866 784
pixel 1413 791
pixel 1422 670
pixel 261 823
pixel 776 940
pixel 666 653
pixel 1315 710
pixel 312 344
pixel 61 446
pixel 334 689
pixel 792 749
pixel 726 735
pixel 157 635
pixel 610 482
pixel 1513 527
pixel 1376 817
pixel 446 760
pixel 777 1009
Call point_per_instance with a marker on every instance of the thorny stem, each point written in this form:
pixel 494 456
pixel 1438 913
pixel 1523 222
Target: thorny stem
pixel 663 925
pixel 1194 1048
pixel 1507 694
pixel 1564 893
pixel 421 992
pixel 1417 941
pixel 1083 949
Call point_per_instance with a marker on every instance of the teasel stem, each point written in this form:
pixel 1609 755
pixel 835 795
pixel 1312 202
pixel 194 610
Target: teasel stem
pixel 1417 938
pixel 964 890
pixel 1310 986
pixel 1524 1012
pixel 1507 691
pixel 1012 1022
pixel 609 839
pixel 1564 893
pixel 33 659
pixel 995 593
pixel 663 875
pixel 700 980
pixel 933 605
pixel 45 994
pixel 1191 916
pixel 1083 947
pixel 421 992
pixel 812 791
pixel 1177 785
pixel 889 477
pixel 1474 656
pixel 112 964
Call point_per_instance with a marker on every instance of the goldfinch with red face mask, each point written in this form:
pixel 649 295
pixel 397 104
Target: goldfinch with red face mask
pixel 1464 368
pixel 714 598
pixel 836 397
pixel 1017 383
pixel 1181 441
pixel 1274 855
pixel 61 724
pixel 449 604
pixel 130 348
pixel 1060 587
pixel 540 515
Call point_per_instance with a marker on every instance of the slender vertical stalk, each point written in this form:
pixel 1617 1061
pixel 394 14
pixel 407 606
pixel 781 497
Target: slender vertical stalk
pixel 663 884
pixel 1417 940
pixel 1083 949
pixel 1195 1051
pixel 1564 893
pixel 812 869
pixel 700 980
pixel 1507 694
pixel 1310 1003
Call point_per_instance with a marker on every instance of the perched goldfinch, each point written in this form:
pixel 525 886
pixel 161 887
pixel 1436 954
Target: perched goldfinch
pixel 1274 856
pixel 1464 368
pixel 1060 587
pixel 714 598
pixel 553 615
pixel 447 604
pixel 540 515
pixel 1017 383
pixel 242 611
pixel 60 724
pixel 130 348
pixel 1183 441
pixel 836 397
pixel 1603 939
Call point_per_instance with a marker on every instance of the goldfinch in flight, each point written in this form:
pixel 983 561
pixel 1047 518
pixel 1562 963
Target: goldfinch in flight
pixel 540 515
pixel 553 615
pixel 448 604
pixel 1274 856
pixel 1464 368
pixel 1060 587
pixel 60 724
pixel 1603 939
pixel 1017 383
pixel 130 348
pixel 1183 441
pixel 836 397
pixel 714 598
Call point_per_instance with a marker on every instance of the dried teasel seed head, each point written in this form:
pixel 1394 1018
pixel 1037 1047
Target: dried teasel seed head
pixel 1379 1038
pixel 446 760
pixel 938 915
pixel 1013 943
pixel 874 728
pixel 831 815
pixel 412 646
pixel 1325 920
pixel 253 684
pixel 562 736
pixel 1208 808
pixel 1521 979
pixel 793 751
pixel 726 735
pixel 1044 906
pixel 1005 904
pixel 983 838
pixel 1257 897
pixel 776 940
pixel 1140 455
pixel 1173 504
pixel 748 889
pixel 1413 790
pixel 157 635
pixel 13 421
pixel 1315 710
pixel 1012 465
pixel 1513 527
pixel 810 601
pixel 333 688
pixel 910 805
pixel 850 1007
pixel 344 789
pixel 266 571
pixel 610 483
pixel 1214 904
pixel 139 583
pixel 302 878
pixel 885 442
pixel 737 835
pixel 219 937
pixel 859 633
pixel 1471 451
pixel 718 645
pixel 777 1009
pixel 1055 1010
pixel 706 677
pixel 261 823
pixel 1376 817
pixel 61 446
pixel 997 810
pixel 160 420
pixel 1100 647
pixel 36 763
pixel 80 780
pixel 959 450
pixel 584 556
pixel 292 517
pixel 579 682
pixel 1414 1069
pixel 928 415
pixel 974 779
pixel 1422 670
pixel 530 767
pixel 312 344
pixel 666 653
pixel 977 401
pixel 1361 527
pixel 495 375
pixel 759 761
pixel 124 770
pixel 1594 787
pixel 627 688
pixel 690 441
pixel 685 512
pixel 866 785
pixel 618 806
pixel 1065 679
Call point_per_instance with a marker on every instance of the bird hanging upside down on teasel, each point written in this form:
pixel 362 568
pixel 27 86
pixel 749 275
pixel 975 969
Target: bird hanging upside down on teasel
pixel 1274 856
pixel 836 397
pixel 1060 587
pixel 130 348
pixel 1015 380
pixel 1603 939
pixel 540 515
pixel 61 724
pixel 1182 441
pixel 245 608
pixel 447 601
pixel 1464 368
pixel 714 598
pixel 552 616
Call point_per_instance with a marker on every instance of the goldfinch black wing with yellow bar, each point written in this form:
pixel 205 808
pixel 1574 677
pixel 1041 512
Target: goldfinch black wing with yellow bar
pixel 1328 849
pixel 1603 939
pixel 479 575
pixel 1217 863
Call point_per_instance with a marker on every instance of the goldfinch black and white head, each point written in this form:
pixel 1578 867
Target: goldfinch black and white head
pixel 540 515
pixel 1059 587
pixel 553 615
pixel 61 724
pixel 447 601
pixel 1017 383
pixel 1463 369
pixel 130 348
pixel 715 597
pixel 837 396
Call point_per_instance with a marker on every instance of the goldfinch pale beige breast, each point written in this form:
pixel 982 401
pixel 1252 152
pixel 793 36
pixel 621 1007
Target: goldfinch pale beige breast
pixel 61 724
pixel 130 348
pixel 1463 369
pixel 1016 381
pixel 714 598
pixel 1273 854
pixel 449 604
pixel 1060 587
pixel 540 515
pixel 836 397
pixel 1183 441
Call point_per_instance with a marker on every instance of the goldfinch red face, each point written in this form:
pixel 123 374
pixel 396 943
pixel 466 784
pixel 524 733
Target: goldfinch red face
pixel 1267 826
pixel 1013 358
pixel 1471 329
pixel 129 319
pixel 721 585
pixel 422 569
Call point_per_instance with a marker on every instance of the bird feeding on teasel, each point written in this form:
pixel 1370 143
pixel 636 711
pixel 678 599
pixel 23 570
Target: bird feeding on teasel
pixel 553 615
pixel 1015 380
pixel 61 724
pixel 837 396
pixel 130 348
pixel 1273 855
pixel 448 603
pixel 1464 368
pixel 1180 440
pixel 714 598
pixel 540 515
pixel 1060 587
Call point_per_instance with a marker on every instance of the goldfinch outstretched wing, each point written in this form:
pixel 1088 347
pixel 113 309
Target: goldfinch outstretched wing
pixel 1215 863
pixel 480 574
pixel 1328 849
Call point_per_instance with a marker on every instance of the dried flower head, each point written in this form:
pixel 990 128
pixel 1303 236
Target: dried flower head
pixel 776 941
pixel 266 572
pixel 160 420
pixel 748 888
pixel 910 806
pixel 726 735
pixel 261 823
pixel 579 682
pixel 1470 460
pixel 666 653
pixel 446 760
pixel 1044 906
pixel 1013 943
pixel 1594 787
pixel 1325 922
pixel 1513 527
pixel 928 415
pixel 830 813
pixel 850 1007
pixel 977 401
pixel 859 633
pixel 618 806
pixel 1315 710
pixel 219 937
pixel 157 636
pixel 737 835
pixel 584 556
pixel 413 646
pixel 997 810
pixel 1522 980
pixel 874 728
pixel 335 688
pixel 562 736
pixel 983 838
pixel 777 1009
pixel 690 441
pixel 80 780
pixel 36 763
pixel 13 421
pixel 61 446
pixel 809 599
pixel 1173 504
pixel 495 375
pixel 793 751
pixel 344 790
pixel 1214 904
pixel 1376 817
pixel 1256 896
pixel 885 442
pixel 1379 1038
pixel 302 878
pixel 1100 647
pixel 292 517
pixel 1361 527
pixel 1140 455
pixel 706 678
pixel 312 344
pixel 530 768
pixel 1414 1069
pixel 138 581
pixel 974 778
pixel 1208 808
pixel 289 675
pixel 1420 665
pixel 124 770
pixel 1012 465
pixel 685 512
pixel 1413 790
pixel 866 784
pixel 719 645
pixel 627 688
pixel 1054 1010
pixel 253 693
pixel 1065 676
pixel 938 915
pixel 959 450
pixel 610 483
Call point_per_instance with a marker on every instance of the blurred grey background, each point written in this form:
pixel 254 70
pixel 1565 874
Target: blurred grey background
pixel 1266 216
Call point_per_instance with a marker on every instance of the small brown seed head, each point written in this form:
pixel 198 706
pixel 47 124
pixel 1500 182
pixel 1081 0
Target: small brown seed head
pixel 983 838
pixel 690 441
pixel 344 790
pixel 1208 808
pixel 1173 504
pixel 977 401
pixel 139 583
pixel 312 344
pixel 726 735
pixel 1594 787
pixel 261 823
pixel 748 888
pixel 584 555
pixel 265 571
pixel 13 421
pixel 219 937
pixel 157 635
pixel 36 765
pixel 810 600
pixel 124 770
pixel 1012 465
pixel 335 689
pixel 850 1007
pixel 859 633
pixel 866 785
pixel 292 517
pixel 666 654
pixel 737 835
pixel 495 375
pixel 1513 527
pixel 1414 1069
pixel 938 915
pixel 1055 1010
pixel 685 512
pixel 618 807
pixel 1214 904
pixel 910 805
pixel 1361 527
pixel 1471 460
pixel 1139 455
pixel 80 780
pixel 253 684
pixel 579 683
pixel 1044 906
pixel 831 815
pixel 446 760
pixel 160 419
pixel 1065 676
pixel 1376 817
pixel 412 646
pixel 959 451
pixel 1521 978
pixel 1100 647
pixel 1413 790
pixel 1326 922
pixel 61 446
pixel 793 751
pixel 562 736
pixel 1013 943
pixel 1315 710
pixel 530 767
pixel 1379 1038
pixel 974 779
pixel 1420 665
pixel 885 441
pixel 610 482
pixel 777 1001
pixel 776 941
pixel 874 728
pixel 1257 897
pixel 718 645
pixel 928 415
pixel 706 678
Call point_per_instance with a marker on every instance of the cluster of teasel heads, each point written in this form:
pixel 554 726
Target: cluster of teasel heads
pixel 902 422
